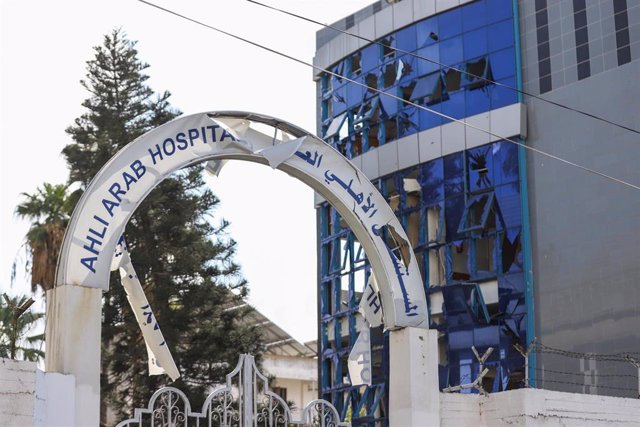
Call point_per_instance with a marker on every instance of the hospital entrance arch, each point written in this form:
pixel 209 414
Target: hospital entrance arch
pixel 99 220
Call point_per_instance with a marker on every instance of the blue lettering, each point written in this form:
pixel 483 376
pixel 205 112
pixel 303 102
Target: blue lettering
pixel 213 132
pixel 128 179
pixel 171 144
pixel 100 235
pixel 91 247
pixel 88 262
pixel 204 135
pixel 109 205
pixel 157 153
pixel 115 190
pixel 193 134
pixel 100 220
pixel 139 169
pixel 182 142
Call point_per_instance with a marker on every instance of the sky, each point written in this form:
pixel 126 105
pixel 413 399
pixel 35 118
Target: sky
pixel 44 47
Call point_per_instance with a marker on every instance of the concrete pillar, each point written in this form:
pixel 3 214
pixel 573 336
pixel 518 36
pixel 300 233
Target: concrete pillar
pixel 414 394
pixel 73 345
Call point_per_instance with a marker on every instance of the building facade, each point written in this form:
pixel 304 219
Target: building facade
pixel 511 245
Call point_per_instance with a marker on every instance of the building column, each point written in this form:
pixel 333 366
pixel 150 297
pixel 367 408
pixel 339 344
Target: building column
pixel 414 394
pixel 74 320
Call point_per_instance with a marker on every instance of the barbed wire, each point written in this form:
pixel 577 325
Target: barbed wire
pixel 589 374
pixel 632 357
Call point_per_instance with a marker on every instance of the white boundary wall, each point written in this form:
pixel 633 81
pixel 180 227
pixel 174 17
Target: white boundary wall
pixel 534 407
pixel 30 397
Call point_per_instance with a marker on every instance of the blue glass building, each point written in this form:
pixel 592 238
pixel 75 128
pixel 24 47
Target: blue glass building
pixel 461 192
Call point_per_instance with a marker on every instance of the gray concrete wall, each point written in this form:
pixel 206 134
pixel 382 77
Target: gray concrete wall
pixel 585 229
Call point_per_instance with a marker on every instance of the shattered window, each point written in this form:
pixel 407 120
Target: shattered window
pixel 511 250
pixel 390 130
pixel 452 80
pixel 407 122
pixel 480 168
pixel 388 47
pixel 429 89
pixel 339 126
pixel 459 252
pixel 356 64
pixel 371 80
pixel 478 213
pixel 405 91
pixel 389 75
pixel 479 72
pixel 404 68
pixel 368 110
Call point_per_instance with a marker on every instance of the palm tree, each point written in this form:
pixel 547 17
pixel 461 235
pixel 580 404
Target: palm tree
pixel 16 322
pixel 49 210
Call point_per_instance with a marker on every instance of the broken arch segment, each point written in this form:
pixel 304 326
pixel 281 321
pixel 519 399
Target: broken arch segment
pixel 122 184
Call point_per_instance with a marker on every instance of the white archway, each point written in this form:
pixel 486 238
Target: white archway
pixel 73 326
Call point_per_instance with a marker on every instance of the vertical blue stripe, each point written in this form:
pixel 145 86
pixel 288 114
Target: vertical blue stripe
pixel 524 200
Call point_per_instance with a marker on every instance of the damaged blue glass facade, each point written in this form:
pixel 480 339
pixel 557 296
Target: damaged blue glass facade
pixel 463 212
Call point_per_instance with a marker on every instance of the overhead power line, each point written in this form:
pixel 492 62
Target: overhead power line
pixel 433 61
pixel 500 137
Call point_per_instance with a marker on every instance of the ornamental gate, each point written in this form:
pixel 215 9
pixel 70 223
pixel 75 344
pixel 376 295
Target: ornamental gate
pixel 244 401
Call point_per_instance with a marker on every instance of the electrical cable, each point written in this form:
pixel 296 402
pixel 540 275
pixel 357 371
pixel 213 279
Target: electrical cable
pixel 433 61
pixel 462 122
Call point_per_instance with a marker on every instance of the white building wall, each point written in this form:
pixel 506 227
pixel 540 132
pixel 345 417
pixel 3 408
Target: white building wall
pixel 298 375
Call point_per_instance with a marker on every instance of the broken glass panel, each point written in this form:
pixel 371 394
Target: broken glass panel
pixel 338 74
pixel 478 213
pixel 371 80
pixel 485 255
pixel 480 168
pixel 339 99
pixel 368 110
pixel 405 69
pixel 373 137
pixel 479 74
pixel 390 130
pixel 407 121
pixel 388 47
pixel 459 252
pixel 389 74
pixel 336 127
pixel 356 64
pixel 439 93
pixel 426 86
pixel 389 102
pixel 356 143
pixel 452 80
pixel 505 155
pixel 511 251
pixel 405 91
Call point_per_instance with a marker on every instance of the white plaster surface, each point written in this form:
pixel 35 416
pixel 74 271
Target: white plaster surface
pixel 533 407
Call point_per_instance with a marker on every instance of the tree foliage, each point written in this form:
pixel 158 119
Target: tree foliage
pixel 16 325
pixel 184 261
pixel 49 210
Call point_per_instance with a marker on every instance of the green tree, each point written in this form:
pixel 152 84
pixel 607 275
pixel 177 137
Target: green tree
pixel 16 322
pixel 185 263
pixel 49 210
